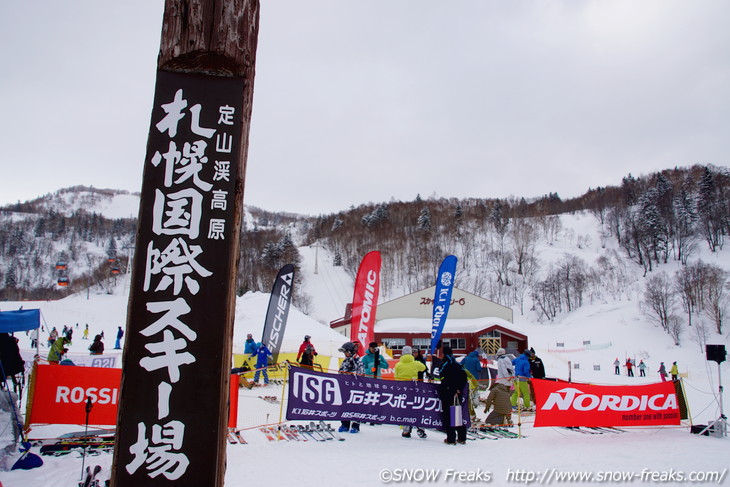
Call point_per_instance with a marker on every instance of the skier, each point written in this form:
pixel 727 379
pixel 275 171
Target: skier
pixel 351 365
pixel 373 363
pixel 674 372
pixel 97 347
pixel 537 368
pixel 629 367
pixel 642 368
pixel 118 343
pixel 86 333
pixel 522 380
pixel 499 400
pixel 505 369
pixel 249 345
pixel 617 366
pixel 472 363
pixel 662 372
pixel 57 350
pixel 307 352
pixel 408 368
pixel 262 354
pixel 451 391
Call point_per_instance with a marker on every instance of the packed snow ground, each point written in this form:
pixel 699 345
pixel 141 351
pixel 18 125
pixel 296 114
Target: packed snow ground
pixel 378 454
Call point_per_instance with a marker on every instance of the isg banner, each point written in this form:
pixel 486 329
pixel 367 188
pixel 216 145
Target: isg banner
pixel 60 393
pixel 572 404
pixel 316 395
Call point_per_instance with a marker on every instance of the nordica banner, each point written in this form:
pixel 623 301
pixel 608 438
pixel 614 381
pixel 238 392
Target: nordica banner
pixel 320 396
pixel 571 404
pixel 278 310
pixel 365 301
pixel 442 298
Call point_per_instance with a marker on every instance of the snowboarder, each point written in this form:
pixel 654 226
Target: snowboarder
pixel 674 372
pixel 351 365
pixel 642 368
pixel 118 343
pixel 662 372
pixel 617 366
pixel 451 391
pixel 522 380
pixel 373 363
pixel 408 368
pixel 262 362
pixel 97 347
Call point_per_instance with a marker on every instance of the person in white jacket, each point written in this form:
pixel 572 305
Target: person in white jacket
pixel 505 369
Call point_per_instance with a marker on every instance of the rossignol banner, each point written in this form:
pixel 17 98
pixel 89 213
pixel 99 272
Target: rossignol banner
pixel 365 301
pixel 327 397
pixel 442 298
pixel 571 404
pixel 278 311
pixel 59 395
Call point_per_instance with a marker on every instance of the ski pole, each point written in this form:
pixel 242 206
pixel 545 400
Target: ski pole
pixel 88 407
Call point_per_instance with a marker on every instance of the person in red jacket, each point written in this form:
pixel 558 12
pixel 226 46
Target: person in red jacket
pixel 306 346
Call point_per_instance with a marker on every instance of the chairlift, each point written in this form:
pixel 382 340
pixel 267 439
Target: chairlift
pixel 111 260
pixel 60 265
pixel 63 281
pixel 115 270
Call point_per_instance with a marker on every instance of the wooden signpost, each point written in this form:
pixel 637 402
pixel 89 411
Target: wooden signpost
pixel 173 407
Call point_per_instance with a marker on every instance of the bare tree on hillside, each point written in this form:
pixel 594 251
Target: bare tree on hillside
pixel 716 297
pixel 659 299
pixel 524 239
pixel 700 332
pixel 675 328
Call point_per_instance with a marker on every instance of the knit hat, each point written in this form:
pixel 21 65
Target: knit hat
pixel 407 350
pixel 501 351
pixel 347 347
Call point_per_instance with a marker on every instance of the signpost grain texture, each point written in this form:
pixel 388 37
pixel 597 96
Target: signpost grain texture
pixel 173 409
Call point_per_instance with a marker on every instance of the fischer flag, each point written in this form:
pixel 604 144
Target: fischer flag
pixel 365 301
pixel 571 404
pixel 59 395
pixel 278 311
pixel 442 298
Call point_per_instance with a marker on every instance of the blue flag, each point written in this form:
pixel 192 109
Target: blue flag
pixel 442 298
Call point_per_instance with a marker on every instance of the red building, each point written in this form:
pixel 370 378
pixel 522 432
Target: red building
pixel 473 323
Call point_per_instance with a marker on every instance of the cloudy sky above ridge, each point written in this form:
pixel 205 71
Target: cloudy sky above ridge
pixel 358 102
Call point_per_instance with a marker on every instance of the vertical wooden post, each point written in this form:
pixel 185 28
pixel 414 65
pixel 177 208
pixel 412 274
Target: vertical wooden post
pixel 173 407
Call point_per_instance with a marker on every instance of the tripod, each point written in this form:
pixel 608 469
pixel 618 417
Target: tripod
pixel 719 426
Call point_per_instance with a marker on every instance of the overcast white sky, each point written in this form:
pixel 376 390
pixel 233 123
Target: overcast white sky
pixel 359 101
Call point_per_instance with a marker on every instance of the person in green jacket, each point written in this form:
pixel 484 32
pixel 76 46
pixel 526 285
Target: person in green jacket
pixel 369 362
pixel 57 350
pixel 408 368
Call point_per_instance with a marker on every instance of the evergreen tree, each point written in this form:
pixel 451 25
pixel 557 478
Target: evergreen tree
pixel 424 220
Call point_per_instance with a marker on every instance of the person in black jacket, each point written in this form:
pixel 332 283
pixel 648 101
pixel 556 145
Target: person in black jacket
pixel 97 348
pixel 453 382
pixel 537 368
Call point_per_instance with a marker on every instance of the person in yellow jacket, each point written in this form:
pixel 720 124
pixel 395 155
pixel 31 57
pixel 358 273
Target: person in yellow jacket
pixel 408 368
pixel 674 372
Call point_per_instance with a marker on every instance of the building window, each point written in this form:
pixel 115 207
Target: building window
pixel 455 343
pixel 394 343
pixel 421 343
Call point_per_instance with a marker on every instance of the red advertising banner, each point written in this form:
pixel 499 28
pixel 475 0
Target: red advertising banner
pixel 365 301
pixel 571 404
pixel 60 392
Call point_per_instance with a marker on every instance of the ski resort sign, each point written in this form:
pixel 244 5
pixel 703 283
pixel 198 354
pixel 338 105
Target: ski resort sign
pixel 320 396
pixel 571 404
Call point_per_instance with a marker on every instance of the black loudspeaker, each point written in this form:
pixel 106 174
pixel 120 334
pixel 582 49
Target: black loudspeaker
pixel 716 353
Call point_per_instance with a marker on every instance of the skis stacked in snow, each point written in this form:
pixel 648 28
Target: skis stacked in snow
pixel 270 399
pixel 321 432
pixel 234 437
pixel 90 479
pixel 93 445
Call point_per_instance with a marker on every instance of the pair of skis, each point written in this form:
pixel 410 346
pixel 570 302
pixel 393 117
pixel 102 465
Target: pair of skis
pixel 321 432
pixel 92 444
pixel 270 399
pixel 235 437
pixel 90 480
pixel 594 430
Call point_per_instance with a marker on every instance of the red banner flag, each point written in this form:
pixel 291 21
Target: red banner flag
pixel 571 404
pixel 365 301
pixel 60 392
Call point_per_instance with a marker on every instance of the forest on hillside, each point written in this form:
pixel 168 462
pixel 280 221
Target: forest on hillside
pixel 653 219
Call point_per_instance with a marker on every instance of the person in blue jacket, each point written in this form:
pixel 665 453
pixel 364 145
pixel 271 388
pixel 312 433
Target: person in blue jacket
pixel 522 380
pixel 262 355
pixel 472 363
